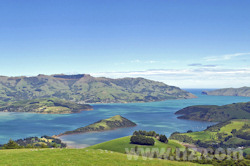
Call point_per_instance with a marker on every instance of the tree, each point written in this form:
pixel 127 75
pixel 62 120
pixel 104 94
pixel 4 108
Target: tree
pixel 43 145
pixel 29 146
pixel 163 139
pixel 11 145
pixel 233 131
pixel 142 140
pixel 136 148
pixel 155 155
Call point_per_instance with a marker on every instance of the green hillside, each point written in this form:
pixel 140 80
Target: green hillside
pixel 84 88
pixel 34 142
pixel 232 133
pixel 77 157
pixel 215 113
pixel 244 91
pixel 119 145
pixel 112 123
pixel 44 106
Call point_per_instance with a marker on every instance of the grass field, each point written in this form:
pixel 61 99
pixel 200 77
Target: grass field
pixel 226 130
pixel 75 157
pixel 203 135
pixel 119 145
pixel 235 124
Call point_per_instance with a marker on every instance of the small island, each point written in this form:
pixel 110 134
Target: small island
pixel 112 123
pixel 244 91
pixel 214 113
pixel 45 106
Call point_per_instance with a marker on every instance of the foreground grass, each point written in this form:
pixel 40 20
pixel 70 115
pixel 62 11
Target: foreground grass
pixel 75 157
pixel 119 145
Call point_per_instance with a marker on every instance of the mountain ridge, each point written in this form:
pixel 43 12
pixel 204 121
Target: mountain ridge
pixel 84 88
pixel 243 91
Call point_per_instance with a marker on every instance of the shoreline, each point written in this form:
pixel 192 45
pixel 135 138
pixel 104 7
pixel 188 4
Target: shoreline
pixel 48 113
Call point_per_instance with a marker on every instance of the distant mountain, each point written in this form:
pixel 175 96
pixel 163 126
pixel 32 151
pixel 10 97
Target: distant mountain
pixel 244 91
pixel 45 106
pixel 215 113
pixel 84 88
pixel 112 123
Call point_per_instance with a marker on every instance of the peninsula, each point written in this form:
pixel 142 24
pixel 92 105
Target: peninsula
pixel 244 91
pixel 214 113
pixel 112 123
pixel 45 106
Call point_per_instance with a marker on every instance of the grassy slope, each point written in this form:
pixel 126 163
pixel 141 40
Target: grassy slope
pixel 104 124
pixel 119 145
pixel 212 136
pixel 76 157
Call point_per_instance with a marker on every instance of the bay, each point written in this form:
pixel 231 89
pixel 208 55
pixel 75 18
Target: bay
pixel 157 116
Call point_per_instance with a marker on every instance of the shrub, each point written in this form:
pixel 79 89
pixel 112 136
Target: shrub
pixel 142 140
pixel 11 145
pixel 163 139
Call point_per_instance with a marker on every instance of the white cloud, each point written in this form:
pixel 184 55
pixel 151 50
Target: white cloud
pixel 225 57
pixel 191 78
pixel 140 61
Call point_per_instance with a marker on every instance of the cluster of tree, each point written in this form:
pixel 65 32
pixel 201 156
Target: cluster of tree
pixel 242 133
pixel 181 137
pixel 221 144
pixel 34 142
pixel 142 140
pixel 146 133
pixel 225 162
pixel 201 158
pixel 161 138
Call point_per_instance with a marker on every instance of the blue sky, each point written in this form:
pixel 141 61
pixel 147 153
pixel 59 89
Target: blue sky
pixel 191 44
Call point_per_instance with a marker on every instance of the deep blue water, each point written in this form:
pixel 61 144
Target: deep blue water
pixel 158 116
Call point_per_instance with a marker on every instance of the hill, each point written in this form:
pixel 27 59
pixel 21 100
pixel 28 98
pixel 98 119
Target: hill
pixel 77 157
pixel 233 133
pixel 112 123
pixel 44 106
pixel 215 113
pixel 244 91
pixel 84 88
pixel 120 144
pixel 35 142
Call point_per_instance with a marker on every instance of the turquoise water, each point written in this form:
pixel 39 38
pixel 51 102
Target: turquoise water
pixel 158 116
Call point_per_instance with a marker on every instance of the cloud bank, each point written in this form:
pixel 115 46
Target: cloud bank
pixel 203 77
